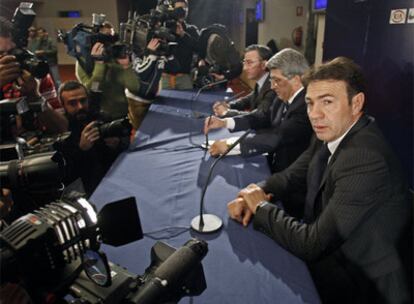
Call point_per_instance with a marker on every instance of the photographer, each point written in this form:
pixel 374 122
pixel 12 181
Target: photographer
pixel 177 73
pixel 110 76
pixel 45 49
pixel 18 84
pixel 88 155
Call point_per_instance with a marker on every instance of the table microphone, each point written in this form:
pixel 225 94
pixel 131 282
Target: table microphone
pixel 205 87
pixel 207 223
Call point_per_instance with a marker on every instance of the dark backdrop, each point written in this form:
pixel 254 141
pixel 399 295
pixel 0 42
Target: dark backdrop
pixel 361 30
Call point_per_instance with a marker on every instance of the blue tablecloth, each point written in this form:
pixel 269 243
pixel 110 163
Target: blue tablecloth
pixel 165 171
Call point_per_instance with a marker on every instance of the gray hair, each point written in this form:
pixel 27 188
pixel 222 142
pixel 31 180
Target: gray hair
pixel 290 62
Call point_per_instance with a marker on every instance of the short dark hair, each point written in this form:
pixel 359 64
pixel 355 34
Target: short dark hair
pixel 264 52
pixel 6 28
pixel 341 69
pixel 70 85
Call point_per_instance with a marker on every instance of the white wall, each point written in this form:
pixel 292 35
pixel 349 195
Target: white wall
pixel 47 17
pixel 281 20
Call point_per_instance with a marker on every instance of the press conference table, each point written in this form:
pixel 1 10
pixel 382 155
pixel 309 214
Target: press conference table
pixel 165 170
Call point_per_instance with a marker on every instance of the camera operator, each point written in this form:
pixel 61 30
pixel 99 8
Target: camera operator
pixel 45 48
pixel 177 72
pixel 17 83
pixel 110 77
pixel 88 155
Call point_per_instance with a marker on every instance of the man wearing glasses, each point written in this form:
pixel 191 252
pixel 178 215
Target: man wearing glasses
pixel 254 66
pixel 87 154
pixel 283 131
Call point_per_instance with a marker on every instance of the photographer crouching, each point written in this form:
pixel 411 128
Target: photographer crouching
pixel 89 150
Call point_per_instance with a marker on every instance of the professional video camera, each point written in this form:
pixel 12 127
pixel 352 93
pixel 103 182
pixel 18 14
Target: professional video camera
pixel 62 238
pixel 160 23
pixel 116 128
pixel 81 38
pixel 22 19
pixel 220 55
pixel 40 171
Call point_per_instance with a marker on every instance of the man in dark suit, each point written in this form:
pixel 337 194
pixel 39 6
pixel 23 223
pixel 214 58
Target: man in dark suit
pixel 254 65
pixel 356 234
pixel 284 130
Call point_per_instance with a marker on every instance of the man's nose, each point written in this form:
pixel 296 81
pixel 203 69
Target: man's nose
pixel 315 111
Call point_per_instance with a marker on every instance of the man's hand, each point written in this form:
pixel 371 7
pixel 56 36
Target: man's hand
pixel 213 122
pixel 253 195
pixel 220 108
pixel 239 211
pixel 112 142
pixel 97 51
pixel 28 85
pixel 89 135
pixel 9 69
pixel 218 147
pixel 153 45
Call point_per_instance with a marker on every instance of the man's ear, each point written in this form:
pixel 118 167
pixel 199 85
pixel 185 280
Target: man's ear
pixel 264 64
pixel 358 103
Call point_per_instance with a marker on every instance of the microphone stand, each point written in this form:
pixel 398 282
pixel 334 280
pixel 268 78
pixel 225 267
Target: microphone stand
pixel 207 86
pixel 208 223
pixel 199 115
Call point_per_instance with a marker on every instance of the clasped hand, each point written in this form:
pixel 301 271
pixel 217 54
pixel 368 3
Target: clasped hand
pixel 244 206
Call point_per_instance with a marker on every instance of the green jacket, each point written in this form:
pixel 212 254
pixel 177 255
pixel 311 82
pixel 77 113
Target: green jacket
pixel 111 79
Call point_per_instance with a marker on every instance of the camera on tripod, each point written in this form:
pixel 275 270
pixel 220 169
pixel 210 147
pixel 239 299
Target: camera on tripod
pixel 63 238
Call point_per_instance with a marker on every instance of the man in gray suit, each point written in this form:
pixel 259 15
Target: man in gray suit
pixel 254 66
pixel 356 236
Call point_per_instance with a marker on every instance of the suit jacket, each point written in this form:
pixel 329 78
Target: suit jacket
pixel 359 246
pixel 284 140
pixel 262 101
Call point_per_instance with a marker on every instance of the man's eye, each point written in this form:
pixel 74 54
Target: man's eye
pixel 327 101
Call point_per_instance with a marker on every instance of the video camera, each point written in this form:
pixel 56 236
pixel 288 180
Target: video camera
pixel 220 55
pixel 36 172
pixel 161 23
pixel 63 238
pixel 22 19
pixel 81 38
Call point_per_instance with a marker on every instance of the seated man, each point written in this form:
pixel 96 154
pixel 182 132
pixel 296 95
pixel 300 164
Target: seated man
pixel 254 65
pixel 284 131
pixel 356 234
pixel 88 155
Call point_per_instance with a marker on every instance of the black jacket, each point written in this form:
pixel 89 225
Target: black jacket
pixel 359 247
pixel 250 102
pixel 284 140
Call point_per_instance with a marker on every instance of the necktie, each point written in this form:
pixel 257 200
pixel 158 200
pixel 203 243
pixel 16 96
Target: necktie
pixel 280 115
pixel 285 109
pixel 314 180
pixel 256 90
